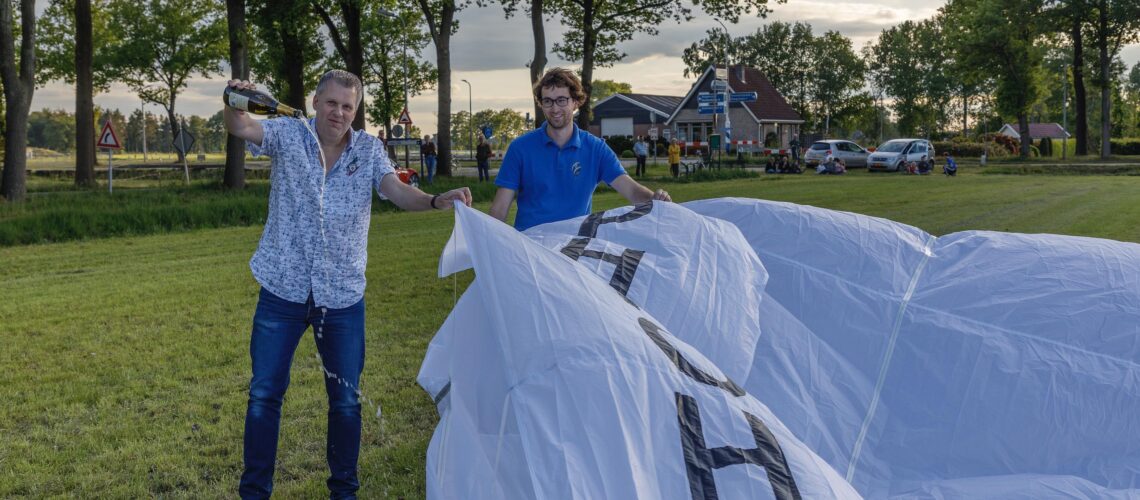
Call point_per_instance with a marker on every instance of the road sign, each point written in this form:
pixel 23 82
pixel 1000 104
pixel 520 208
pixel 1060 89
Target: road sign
pixel 711 110
pixel 397 131
pixel 405 118
pixel 107 138
pixel 404 142
pixel 742 97
pixel 183 141
pixel 709 97
pixel 722 73
pixel 719 84
pixel 653 133
pixel 666 133
pixel 488 132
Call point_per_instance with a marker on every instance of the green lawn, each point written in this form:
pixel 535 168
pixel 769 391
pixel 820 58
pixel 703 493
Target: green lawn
pixel 124 367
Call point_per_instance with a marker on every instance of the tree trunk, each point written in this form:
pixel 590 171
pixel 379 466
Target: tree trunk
pixel 1080 95
pixel 351 12
pixel 175 127
pixel 965 114
pixel 19 84
pixel 589 44
pixel 84 97
pixel 538 63
pixel 1105 83
pixel 443 62
pixel 234 177
pixel 293 70
pixel 1023 126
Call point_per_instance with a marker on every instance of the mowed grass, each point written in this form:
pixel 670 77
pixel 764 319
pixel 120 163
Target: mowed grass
pixel 124 369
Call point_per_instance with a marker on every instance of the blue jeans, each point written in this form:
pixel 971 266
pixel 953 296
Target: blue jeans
pixel 277 329
pixel 429 162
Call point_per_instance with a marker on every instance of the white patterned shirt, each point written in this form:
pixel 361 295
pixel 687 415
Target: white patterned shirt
pixel 316 236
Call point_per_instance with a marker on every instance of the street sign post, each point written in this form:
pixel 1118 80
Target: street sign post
pixel 405 118
pixel 109 140
pixel 709 98
pixel 742 97
pixel 719 85
pixel 710 110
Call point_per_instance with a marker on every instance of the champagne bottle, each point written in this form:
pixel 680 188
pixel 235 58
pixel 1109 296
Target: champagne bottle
pixel 257 102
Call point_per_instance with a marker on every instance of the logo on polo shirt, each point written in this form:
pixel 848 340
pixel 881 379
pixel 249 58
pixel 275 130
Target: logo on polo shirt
pixel 352 167
pixel 576 168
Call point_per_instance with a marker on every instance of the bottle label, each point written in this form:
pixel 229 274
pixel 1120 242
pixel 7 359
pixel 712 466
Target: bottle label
pixel 239 101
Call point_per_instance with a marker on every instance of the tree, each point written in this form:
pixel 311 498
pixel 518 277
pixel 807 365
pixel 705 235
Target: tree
pixel 605 88
pixel 1117 24
pixel 537 64
pixel 347 42
pixel 1071 18
pixel 839 77
pixel 908 63
pixel 506 125
pixel 18 78
pixel 393 61
pixel 286 51
pixel 1003 34
pixel 595 27
pixel 65 26
pixel 440 18
pixel 234 176
pixel 52 129
pixel 167 42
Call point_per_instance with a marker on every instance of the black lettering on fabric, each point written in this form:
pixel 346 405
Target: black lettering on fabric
pixel 625 265
pixel 700 461
pixel 589 227
pixel 654 333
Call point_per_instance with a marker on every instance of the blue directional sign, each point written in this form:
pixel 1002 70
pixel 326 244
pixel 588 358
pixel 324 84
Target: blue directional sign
pixel 742 97
pixel 706 97
pixel 712 110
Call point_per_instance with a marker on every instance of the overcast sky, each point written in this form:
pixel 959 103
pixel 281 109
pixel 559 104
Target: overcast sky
pixel 491 52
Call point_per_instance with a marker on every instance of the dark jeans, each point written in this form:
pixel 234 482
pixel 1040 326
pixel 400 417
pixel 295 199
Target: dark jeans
pixel 484 170
pixel 640 166
pixel 277 329
pixel 429 164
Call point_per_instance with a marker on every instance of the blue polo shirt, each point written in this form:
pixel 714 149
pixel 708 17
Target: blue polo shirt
pixel 555 183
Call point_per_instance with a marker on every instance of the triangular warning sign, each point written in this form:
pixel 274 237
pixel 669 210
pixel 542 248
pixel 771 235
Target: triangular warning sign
pixel 107 138
pixel 405 118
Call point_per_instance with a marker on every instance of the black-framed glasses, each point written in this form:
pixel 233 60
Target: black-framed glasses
pixel 547 102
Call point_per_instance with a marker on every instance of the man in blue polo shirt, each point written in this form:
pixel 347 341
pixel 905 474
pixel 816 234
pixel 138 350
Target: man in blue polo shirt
pixel 554 169
pixel 310 265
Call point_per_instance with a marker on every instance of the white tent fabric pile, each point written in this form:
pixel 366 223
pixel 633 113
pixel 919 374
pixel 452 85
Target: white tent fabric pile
pixel 746 349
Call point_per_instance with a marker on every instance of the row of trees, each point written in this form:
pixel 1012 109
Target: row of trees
pixel 998 58
pixel 55 130
pixel 159 44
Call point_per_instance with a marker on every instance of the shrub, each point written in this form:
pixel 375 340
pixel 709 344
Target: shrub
pixel 627 153
pixel 1130 146
pixel 1046 147
pixel 619 143
pixel 967 149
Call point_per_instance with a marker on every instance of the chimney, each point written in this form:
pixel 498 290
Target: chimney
pixel 742 74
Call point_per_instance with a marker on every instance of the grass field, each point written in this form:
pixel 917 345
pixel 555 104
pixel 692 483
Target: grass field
pixel 125 365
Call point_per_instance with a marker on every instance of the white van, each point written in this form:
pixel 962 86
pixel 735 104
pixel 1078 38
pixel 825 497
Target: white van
pixel 893 154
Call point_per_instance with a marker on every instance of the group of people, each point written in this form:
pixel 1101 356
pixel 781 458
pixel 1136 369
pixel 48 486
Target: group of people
pixel 782 164
pixel 831 166
pixel 925 167
pixel 310 262
pixel 430 156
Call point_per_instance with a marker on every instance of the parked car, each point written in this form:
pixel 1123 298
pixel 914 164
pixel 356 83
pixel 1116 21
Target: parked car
pixel 853 155
pixel 894 154
pixel 408 176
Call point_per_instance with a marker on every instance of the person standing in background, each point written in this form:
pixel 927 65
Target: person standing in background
pixel 483 159
pixel 427 150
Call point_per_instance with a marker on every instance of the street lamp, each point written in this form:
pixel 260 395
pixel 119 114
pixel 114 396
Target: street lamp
pixel 727 77
pixel 1065 112
pixel 470 120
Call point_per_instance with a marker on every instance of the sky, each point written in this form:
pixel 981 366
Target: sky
pixel 491 52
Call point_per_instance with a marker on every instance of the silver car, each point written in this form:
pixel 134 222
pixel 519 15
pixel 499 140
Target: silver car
pixel 852 154
pixel 893 154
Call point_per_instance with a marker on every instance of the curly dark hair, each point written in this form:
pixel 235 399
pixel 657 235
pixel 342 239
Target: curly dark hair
pixel 561 77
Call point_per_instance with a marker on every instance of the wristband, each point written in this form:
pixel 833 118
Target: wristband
pixel 433 202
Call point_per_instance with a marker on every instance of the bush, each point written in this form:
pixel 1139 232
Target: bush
pixel 1130 146
pixel 966 149
pixel 627 153
pixel 619 143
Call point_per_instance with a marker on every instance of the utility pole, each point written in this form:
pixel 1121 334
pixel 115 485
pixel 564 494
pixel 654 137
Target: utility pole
pixel 470 121
pixel 1065 112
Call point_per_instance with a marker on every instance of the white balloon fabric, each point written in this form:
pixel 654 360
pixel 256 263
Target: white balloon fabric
pixel 973 365
pixel 595 358
pixel 553 383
